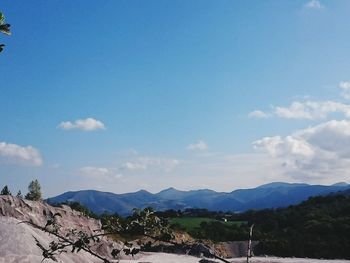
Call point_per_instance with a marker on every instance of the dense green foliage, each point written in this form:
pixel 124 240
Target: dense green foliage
pixel 221 231
pixel 210 228
pixel 190 223
pixel 316 228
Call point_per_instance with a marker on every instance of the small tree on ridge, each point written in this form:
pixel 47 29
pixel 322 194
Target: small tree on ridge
pixel 5 191
pixel 34 189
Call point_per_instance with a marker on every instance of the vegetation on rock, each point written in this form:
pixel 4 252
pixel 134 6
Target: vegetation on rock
pixel 34 191
pixel 5 191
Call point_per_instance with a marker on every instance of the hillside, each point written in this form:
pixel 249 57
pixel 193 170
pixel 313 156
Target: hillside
pixel 316 228
pixel 266 196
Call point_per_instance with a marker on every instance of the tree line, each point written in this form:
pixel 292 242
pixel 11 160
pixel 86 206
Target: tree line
pixel 34 191
pixel 316 228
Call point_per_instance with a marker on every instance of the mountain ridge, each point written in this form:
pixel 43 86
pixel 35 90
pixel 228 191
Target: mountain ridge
pixel 273 195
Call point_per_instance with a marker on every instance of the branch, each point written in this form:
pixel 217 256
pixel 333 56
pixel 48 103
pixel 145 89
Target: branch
pixel 69 242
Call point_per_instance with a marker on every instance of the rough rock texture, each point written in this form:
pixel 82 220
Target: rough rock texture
pixel 16 239
pixel 37 212
pixel 17 244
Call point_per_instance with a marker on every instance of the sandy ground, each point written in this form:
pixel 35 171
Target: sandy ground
pixel 170 258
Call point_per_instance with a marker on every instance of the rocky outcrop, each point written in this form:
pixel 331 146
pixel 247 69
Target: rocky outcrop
pixel 17 243
pixel 38 212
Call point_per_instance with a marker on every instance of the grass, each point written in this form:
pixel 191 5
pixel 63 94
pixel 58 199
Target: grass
pixel 190 223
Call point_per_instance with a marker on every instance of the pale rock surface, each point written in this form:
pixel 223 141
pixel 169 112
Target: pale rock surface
pixel 17 242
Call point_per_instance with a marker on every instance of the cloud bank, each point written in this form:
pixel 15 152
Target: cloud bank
pixel 99 172
pixel 146 163
pixel 89 124
pixel 20 155
pixel 308 109
pixel 318 152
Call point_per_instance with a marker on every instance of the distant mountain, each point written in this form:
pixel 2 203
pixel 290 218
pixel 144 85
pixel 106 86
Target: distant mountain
pixel 281 184
pixel 104 202
pixel 271 195
pixel 340 184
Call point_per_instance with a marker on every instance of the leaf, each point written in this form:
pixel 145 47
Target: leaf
pixel 115 252
pixel 5 28
pixel 134 251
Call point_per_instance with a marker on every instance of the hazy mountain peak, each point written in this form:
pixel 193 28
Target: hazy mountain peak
pixel 142 191
pixel 281 184
pixel 340 184
pixel 170 189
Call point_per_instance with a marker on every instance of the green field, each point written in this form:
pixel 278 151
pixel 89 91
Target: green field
pixel 190 223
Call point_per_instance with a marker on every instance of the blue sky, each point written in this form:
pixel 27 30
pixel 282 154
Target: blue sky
pixel 124 95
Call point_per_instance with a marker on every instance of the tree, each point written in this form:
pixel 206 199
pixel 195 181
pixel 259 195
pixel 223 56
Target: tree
pixel 4 28
pixel 34 189
pixel 5 191
pixel 19 194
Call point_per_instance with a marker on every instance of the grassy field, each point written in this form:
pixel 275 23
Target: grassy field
pixel 189 223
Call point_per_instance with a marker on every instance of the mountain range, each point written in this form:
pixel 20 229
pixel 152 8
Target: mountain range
pixel 273 195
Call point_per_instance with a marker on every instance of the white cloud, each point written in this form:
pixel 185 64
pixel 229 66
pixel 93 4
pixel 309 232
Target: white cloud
pixel 319 152
pixel 309 109
pixel 146 163
pixel 314 4
pixel 199 146
pixel 88 124
pixel 305 110
pixel 99 172
pixel 258 114
pixel 16 154
pixel 312 110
